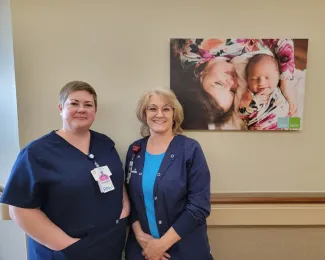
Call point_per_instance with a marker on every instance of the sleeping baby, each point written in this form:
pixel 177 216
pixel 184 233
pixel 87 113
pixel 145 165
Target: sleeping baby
pixel 263 103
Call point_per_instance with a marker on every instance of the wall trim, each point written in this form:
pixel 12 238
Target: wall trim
pixel 267 215
pixel 268 198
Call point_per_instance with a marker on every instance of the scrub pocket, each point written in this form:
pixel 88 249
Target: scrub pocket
pixel 103 242
pixel 76 250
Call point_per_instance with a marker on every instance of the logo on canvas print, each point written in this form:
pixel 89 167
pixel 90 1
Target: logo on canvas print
pixel 289 122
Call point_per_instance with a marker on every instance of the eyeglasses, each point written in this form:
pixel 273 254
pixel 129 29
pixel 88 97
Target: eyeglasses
pixel 153 110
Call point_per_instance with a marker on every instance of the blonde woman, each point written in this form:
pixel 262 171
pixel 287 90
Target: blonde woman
pixel 169 185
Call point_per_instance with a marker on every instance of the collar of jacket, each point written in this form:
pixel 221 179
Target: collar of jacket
pixel 171 154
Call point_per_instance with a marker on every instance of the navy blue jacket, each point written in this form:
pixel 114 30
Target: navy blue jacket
pixel 181 194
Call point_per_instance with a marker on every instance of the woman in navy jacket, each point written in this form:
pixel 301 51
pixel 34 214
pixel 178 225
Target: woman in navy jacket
pixel 168 181
pixel 54 196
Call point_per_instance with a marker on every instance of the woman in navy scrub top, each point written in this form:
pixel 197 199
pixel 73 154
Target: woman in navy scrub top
pixel 168 183
pixel 67 212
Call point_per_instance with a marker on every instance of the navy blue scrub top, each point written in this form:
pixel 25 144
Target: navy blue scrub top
pixel 181 198
pixel 54 176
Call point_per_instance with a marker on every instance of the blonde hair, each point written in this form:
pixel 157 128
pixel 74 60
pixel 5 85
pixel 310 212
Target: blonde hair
pixel 172 100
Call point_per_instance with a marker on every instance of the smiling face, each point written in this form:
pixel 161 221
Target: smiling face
pixel 159 115
pixel 262 74
pixel 78 111
pixel 220 81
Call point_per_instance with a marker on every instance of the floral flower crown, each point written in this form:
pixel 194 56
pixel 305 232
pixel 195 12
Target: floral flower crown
pixel 193 55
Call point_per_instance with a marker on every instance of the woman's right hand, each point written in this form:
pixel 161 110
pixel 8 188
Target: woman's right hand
pixel 45 231
pixel 74 240
pixel 143 239
pixel 69 242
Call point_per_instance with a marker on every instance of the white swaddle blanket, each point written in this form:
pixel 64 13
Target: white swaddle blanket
pixel 240 63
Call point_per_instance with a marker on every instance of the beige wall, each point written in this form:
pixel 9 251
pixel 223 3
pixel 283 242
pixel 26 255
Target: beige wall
pixel 122 49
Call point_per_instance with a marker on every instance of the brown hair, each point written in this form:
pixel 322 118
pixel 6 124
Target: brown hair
pixel 214 112
pixel 76 86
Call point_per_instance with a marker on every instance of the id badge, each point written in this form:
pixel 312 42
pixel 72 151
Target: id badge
pixel 105 184
pixel 97 172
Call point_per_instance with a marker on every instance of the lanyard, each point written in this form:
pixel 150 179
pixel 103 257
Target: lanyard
pixel 130 169
pixel 92 158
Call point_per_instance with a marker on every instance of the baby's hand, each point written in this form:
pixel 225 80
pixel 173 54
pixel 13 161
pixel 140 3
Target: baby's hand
pixel 293 106
pixel 246 99
pixel 290 94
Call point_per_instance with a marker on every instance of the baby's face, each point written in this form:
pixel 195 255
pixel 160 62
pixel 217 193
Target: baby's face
pixel 263 77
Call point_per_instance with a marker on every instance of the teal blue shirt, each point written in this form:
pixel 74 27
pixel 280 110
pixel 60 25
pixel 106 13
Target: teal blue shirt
pixel 151 167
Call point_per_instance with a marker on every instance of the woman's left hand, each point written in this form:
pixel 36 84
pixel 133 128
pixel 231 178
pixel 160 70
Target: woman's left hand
pixel 126 205
pixel 125 210
pixel 154 250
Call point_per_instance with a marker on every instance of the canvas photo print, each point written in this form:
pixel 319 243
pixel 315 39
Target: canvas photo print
pixel 240 83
